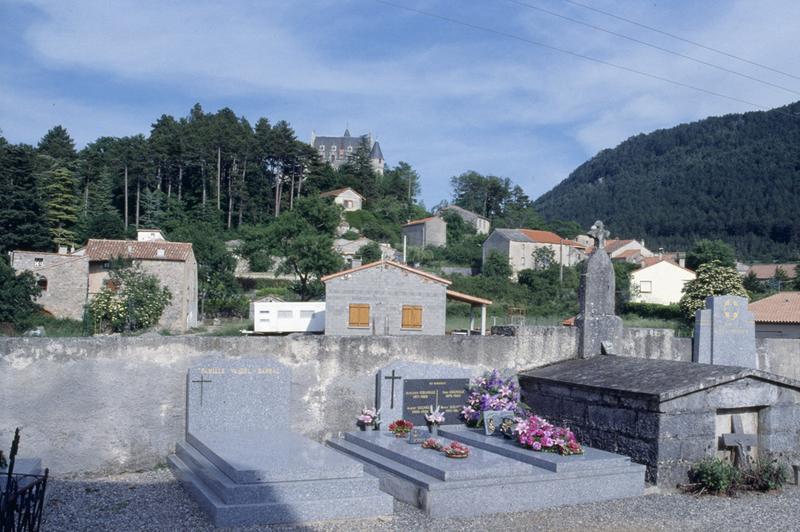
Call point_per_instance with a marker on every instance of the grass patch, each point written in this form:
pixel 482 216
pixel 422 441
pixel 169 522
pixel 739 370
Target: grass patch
pixel 59 327
pixel 230 328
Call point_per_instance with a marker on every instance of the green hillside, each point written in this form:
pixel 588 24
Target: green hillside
pixel 735 177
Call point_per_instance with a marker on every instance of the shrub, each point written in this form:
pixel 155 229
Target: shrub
pixel 653 310
pixel 765 475
pixel 713 475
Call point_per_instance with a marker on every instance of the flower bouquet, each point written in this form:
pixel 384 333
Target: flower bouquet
pixel 456 450
pixel 369 417
pixel 432 443
pixel 537 434
pixel 490 392
pixel 434 419
pixel 401 428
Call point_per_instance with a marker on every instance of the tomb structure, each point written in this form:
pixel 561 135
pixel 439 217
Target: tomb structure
pixel 242 463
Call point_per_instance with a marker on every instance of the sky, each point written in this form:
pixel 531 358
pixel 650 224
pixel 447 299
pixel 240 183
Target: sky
pixel 445 97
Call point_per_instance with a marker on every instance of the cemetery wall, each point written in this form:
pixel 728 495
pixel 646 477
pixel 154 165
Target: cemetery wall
pixel 107 404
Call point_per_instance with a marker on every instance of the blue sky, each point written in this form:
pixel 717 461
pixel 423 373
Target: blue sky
pixel 443 97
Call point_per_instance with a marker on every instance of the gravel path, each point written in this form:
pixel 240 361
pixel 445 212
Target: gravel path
pixel 154 501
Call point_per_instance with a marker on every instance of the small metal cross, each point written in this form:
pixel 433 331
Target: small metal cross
pixel 392 378
pixel 739 441
pixel 202 381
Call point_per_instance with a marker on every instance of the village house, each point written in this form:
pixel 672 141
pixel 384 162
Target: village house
pixel 777 316
pixel 480 223
pixel 349 250
pixel 70 279
pixel 519 246
pixel 659 281
pixel 349 199
pixel 767 272
pixel 630 250
pixel 389 298
pixel 426 232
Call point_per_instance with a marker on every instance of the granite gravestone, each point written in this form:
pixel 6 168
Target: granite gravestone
pixel 243 464
pixel 597 321
pixel 725 334
pixel 407 391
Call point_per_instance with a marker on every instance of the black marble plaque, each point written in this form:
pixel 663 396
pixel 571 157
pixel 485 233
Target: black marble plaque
pixel 420 394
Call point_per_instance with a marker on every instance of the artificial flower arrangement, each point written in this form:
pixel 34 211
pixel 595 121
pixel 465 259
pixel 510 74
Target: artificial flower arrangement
pixel 456 450
pixel 401 428
pixel 434 419
pixel 537 434
pixel 492 391
pixel 432 443
pixel 370 417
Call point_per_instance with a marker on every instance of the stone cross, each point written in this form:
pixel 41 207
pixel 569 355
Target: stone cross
pixel 739 441
pixel 599 233
pixel 392 378
pixel 202 380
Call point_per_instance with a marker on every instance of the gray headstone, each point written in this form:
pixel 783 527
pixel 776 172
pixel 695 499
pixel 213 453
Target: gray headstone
pixel 725 333
pixel 232 395
pixel 406 390
pixel 597 320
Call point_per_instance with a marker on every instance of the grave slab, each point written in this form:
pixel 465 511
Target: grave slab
pixel 243 465
pixel 445 487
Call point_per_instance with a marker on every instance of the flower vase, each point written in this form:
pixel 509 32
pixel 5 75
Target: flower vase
pixel 434 429
pixel 362 426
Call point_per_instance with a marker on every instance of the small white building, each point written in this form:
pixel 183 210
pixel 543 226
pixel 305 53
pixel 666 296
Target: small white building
pixel 349 199
pixel 631 251
pixel 280 317
pixel 480 223
pixel 660 281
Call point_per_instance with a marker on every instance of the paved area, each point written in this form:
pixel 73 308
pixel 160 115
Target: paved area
pixel 154 501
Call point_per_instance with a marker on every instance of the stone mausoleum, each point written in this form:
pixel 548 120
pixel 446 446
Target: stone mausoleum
pixel 666 414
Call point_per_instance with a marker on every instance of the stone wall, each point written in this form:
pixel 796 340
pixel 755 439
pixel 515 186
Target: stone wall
pixel 66 277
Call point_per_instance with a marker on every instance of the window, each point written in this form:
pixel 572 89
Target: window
pixel 645 287
pixel 38 262
pixel 349 149
pixel 348 204
pixel 284 314
pixel 412 317
pixel 111 284
pixel 160 252
pixel 321 147
pixel 333 147
pixel 306 313
pixel 359 316
pixel 41 282
pixel 333 158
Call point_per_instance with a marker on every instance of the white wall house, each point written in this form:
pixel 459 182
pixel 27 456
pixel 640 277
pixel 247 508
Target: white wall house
pixel 519 245
pixel 349 199
pixel 660 282
pixel 283 317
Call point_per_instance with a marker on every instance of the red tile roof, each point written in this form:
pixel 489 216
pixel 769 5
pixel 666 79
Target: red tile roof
pixel 133 249
pixel 783 307
pixel 339 191
pixel 386 263
pixel 613 244
pixel 421 220
pixel 542 237
pixel 767 271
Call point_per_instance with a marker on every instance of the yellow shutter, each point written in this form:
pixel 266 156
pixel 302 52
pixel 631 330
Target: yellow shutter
pixel 412 317
pixel 359 315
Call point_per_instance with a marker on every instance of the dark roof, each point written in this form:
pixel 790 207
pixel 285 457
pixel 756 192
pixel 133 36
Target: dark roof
pixel 376 152
pixel 346 132
pixel 656 379
pixel 339 142
pixel 133 249
pixel 464 212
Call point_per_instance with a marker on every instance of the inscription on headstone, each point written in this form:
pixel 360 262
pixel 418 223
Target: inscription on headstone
pixel 418 387
pixel 420 394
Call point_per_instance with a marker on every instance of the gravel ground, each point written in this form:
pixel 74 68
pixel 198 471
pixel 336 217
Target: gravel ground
pixel 153 500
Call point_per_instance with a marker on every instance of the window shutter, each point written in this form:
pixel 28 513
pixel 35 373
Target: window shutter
pixel 359 315
pixel 412 317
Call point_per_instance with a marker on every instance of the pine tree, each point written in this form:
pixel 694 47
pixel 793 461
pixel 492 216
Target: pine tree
pixel 62 205
pixel 23 222
pixel 152 208
pixel 58 144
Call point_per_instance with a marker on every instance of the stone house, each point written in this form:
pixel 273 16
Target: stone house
pixel 387 298
pixel 520 244
pixel 426 232
pixel 337 150
pixel 660 281
pixel 480 223
pixel 667 414
pixel 777 316
pixel 349 199
pixel 69 280
pixel 348 250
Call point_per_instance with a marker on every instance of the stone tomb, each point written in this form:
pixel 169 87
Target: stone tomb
pixel 666 414
pixel 244 466
pixel 498 476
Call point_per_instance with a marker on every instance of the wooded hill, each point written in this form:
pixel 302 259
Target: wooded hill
pixel 735 177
